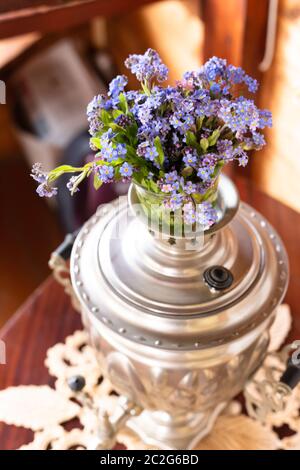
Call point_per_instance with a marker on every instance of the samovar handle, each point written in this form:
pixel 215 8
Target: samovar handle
pixel 270 395
pixel 291 375
pixel 59 264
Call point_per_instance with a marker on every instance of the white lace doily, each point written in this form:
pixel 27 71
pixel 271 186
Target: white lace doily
pixel 46 410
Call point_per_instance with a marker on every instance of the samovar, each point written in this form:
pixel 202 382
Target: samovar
pixel 179 324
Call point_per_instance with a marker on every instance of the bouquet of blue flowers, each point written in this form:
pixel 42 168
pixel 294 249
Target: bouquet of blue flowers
pixel 171 141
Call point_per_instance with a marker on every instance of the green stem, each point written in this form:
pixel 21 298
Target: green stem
pixel 145 87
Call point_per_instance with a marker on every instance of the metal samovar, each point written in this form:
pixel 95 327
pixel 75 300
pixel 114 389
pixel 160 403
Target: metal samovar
pixel 179 324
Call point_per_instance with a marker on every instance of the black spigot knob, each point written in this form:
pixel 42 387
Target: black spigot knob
pixel 76 383
pixel 218 277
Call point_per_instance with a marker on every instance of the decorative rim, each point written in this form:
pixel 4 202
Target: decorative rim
pixel 132 334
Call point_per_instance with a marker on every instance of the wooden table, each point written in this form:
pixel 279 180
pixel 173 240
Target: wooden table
pixel 48 317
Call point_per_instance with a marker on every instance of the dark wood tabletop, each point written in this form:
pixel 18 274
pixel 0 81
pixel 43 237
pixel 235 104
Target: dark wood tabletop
pixel 48 317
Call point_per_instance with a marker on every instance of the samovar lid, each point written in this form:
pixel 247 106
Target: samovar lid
pixel 164 295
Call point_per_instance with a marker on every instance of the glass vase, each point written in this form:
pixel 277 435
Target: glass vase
pixel 155 208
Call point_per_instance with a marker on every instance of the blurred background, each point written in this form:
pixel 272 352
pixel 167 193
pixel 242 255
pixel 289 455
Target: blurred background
pixel 56 55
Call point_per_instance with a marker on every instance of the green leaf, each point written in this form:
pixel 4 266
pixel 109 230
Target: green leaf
pixel 199 122
pixel 96 142
pixel 187 171
pixel 116 162
pixel 132 130
pixel 158 146
pixel 153 186
pixel 197 198
pixel 66 169
pixel 123 103
pixel 121 139
pixel 131 154
pixel 97 181
pixel 214 137
pixel 116 113
pixel 204 144
pixel 105 117
pixel 137 177
pixel 113 163
pixel 116 128
pixel 60 170
pixel 191 139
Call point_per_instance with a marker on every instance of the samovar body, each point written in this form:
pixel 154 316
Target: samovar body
pixel 179 326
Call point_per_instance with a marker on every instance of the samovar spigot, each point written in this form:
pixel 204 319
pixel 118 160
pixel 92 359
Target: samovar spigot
pixel 108 427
